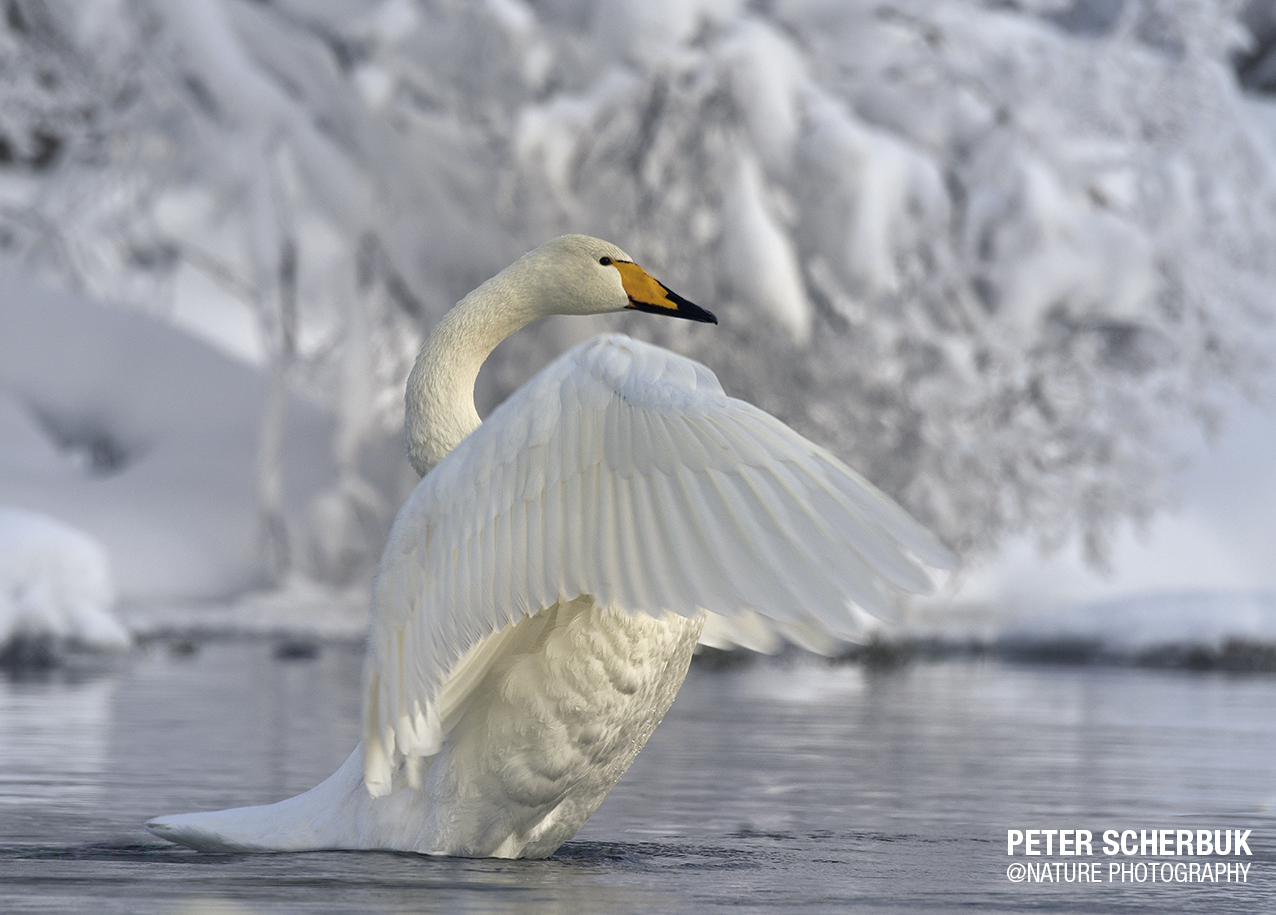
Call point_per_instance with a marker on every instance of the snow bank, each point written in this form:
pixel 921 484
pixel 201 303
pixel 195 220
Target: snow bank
pixel 145 438
pixel 1207 626
pixel 1195 578
pixel 299 608
pixel 1196 629
pixel 55 587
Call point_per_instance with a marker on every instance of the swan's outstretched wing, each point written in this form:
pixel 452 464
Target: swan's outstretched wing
pixel 622 471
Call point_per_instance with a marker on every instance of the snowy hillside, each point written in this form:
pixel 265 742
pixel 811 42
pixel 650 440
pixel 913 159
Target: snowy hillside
pixel 143 437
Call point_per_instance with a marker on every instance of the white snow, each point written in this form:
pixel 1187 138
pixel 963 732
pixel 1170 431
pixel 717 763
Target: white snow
pixel 143 437
pixel 1219 537
pixel 760 261
pixel 959 211
pixel 55 585
pixel 1202 573
pixel 1138 624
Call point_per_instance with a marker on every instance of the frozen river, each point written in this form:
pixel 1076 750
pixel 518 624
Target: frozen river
pixel 770 786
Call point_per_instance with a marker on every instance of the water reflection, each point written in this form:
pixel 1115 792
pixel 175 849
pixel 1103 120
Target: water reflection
pixel 54 734
pixel 768 786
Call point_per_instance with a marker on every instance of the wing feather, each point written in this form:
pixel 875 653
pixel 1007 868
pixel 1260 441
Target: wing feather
pixel 622 472
pixel 669 579
pixel 702 558
pixel 562 565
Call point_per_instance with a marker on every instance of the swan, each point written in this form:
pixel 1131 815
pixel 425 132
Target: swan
pixel 545 584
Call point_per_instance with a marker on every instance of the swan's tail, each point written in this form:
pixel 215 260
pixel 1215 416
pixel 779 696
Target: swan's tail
pixel 330 815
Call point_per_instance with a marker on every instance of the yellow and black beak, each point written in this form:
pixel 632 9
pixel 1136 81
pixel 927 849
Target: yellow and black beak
pixel 646 293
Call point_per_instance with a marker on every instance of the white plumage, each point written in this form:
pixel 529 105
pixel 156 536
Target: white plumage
pixel 544 585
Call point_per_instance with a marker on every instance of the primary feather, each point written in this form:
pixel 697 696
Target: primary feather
pixel 543 587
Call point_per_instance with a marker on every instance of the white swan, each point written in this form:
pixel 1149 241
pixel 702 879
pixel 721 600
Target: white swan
pixel 545 584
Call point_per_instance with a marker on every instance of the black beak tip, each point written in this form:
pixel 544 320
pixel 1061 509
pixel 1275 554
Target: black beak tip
pixel 690 310
pixel 695 313
pixel 684 309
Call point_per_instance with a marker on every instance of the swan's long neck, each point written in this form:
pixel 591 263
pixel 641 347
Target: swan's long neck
pixel 440 393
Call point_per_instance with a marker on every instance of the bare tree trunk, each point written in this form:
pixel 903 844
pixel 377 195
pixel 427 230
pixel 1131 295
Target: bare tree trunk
pixel 276 548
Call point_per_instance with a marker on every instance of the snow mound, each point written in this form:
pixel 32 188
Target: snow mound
pixel 1201 628
pixel 147 439
pixel 56 590
pixel 299 608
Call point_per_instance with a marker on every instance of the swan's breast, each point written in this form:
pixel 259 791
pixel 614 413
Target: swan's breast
pixel 557 722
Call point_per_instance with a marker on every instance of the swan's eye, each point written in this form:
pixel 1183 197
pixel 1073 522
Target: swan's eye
pixel 605 261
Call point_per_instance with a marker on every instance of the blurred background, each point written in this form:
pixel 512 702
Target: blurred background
pixel 1014 261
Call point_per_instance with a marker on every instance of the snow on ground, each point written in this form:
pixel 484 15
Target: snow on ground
pixel 1139 624
pixel 145 438
pixel 55 587
pixel 298 608
pixel 1202 573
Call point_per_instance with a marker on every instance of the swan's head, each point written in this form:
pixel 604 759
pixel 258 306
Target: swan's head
pixel 579 275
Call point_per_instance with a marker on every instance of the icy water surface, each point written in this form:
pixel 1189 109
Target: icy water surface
pixel 769 787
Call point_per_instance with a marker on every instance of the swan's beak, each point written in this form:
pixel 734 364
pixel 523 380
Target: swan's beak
pixel 646 293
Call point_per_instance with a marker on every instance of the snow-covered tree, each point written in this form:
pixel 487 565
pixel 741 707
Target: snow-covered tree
pixel 989 252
